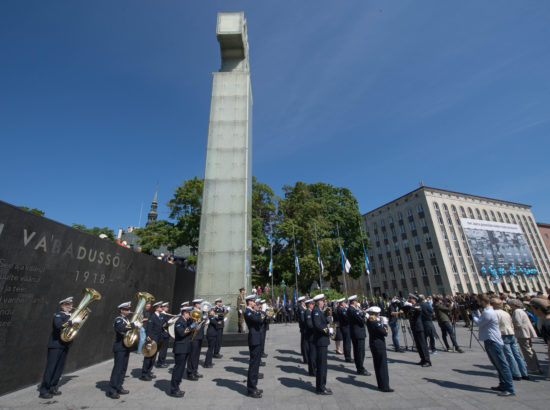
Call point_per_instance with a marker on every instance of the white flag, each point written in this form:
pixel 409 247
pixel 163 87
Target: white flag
pixel 347 266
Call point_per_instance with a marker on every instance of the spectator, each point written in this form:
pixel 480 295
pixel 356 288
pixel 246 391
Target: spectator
pixel 541 309
pixel 524 331
pixel 511 350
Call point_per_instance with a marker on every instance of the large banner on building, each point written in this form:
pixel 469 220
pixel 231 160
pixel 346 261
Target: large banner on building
pixel 498 248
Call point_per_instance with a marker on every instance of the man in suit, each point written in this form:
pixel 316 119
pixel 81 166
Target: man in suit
pixel 321 336
pixel 414 312
pixel 182 347
pixel 57 350
pixel 153 331
pixel 121 352
pixel 254 320
pixel 345 328
pixel 358 334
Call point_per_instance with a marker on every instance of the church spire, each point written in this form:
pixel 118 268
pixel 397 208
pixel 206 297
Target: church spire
pixel 153 215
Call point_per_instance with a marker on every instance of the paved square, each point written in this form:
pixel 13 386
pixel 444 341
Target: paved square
pixel 457 381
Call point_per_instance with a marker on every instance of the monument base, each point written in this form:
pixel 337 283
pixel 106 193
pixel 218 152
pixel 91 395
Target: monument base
pixel 231 339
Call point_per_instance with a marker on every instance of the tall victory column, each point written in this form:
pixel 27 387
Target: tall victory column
pixel 225 242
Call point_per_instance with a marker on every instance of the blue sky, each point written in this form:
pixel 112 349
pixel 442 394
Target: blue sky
pixel 101 100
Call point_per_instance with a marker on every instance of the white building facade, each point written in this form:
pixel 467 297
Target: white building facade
pixel 418 244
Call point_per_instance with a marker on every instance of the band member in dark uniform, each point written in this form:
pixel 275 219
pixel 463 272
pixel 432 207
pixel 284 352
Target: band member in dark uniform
pixel 378 330
pixel 345 329
pixel 265 327
pixel 427 322
pixel 153 331
pixel 321 333
pixel 309 336
pixel 122 353
pixel 304 348
pixel 165 338
pixel 182 347
pixel 211 337
pixel 414 313
pixel 57 350
pixel 254 321
pixel 196 345
pixel 220 312
pixel 358 334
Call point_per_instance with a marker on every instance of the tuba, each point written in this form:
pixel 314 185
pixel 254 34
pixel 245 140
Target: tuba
pixel 82 311
pixel 132 335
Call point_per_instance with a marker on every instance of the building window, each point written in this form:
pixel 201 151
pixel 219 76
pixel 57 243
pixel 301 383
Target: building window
pixel 449 251
pixel 390 219
pixel 423 222
pixel 471 213
pixel 419 208
pixel 415 240
pixel 486 215
pixel 385 235
pixel 405 243
pixel 409 258
pixel 453 208
pixel 379 250
pixel 400 216
pixel 453 235
pixel 412 226
pixel 445 235
pixel 440 219
pixel 478 214
pixel 419 256
pixel 462 212
pixel 374 226
pixel 445 207
pixel 431 253
pixel 382 223
pixel 499 217
pixel 427 238
pixel 423 271
pixel 393 232
pixel 403 230
pixel 388 248
pixel 436 206
pixel 396 246
pixel 436 270
pixel 453 267
pixel 377 238
pixel 493 217
pixel 409 212
pixel 458 252
pixel 399 259
pixel 402 274
pixel 411 274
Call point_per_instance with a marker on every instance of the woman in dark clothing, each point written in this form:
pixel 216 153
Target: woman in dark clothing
pixel 378 330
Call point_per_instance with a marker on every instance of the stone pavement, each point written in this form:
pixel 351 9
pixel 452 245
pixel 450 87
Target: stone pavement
pixel 456 381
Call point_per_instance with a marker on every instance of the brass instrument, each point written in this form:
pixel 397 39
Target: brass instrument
pixel 198 314
pixel 268 309
pixel 132 335
pixel 82 312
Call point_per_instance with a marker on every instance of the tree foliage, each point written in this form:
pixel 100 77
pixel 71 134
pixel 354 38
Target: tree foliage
pixel 96 230
pixel 35 211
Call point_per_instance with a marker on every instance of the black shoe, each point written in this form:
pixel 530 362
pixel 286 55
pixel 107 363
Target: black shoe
pixel 497 388
pixel 264 355
pixel 262 363
pixel 56 392
pixel 427 364
pixel 146 378
pixel 123 391
pixel 152 375
pixel 260 375
pixel 198 375
pixel 325 392
pixel 387 390
pixel 516 378
pixel 459 350
pixel 349 360
pixel 208 366
pixel 255 394
pixel 260 391
pixel 162 366
pixel 400 350
pixel 178 393
pixel 217 356
pixel 525 378
pixel 192 377
pixel 420 363
pixel 363 372
pixel 114 395
pixel 46 396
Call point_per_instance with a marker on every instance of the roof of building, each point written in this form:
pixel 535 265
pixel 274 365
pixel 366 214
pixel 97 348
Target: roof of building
pixel 543 225
pixel 449 192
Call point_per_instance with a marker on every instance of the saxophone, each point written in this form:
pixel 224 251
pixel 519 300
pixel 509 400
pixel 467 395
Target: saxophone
pixel 132 335
pixel 82 312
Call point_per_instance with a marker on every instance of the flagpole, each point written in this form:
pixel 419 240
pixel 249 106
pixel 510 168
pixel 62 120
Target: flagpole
pixel 295 258
pixel 366 260
pixel 319 261
pixel 271 272
pixel 343 268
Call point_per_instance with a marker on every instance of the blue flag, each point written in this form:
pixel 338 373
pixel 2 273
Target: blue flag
pixel 271 262
pixel 367 267
pixel 284 298
pixel 296 263
pixel 319 261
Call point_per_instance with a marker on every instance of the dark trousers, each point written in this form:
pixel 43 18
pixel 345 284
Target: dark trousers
pixel 447 328
pixel 321 373
pixel 119 371
pixel 218 341
pixel 358 353
pixel 254 367
pixel 429 333
pixel 178 371
pixel 54 369
pixel 304 348
pixel 312 358
pixel 148 363
pixel 212 340
pixel 346 340
pixel 264 333
pixel 163 351
pixel 380 366
pixel 193 359
pixel 421 346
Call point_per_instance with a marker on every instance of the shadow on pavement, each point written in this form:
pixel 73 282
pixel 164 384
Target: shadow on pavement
pixel 238 370
pixel 400 361
pixel 103 385
pixel 283 351
pixel 453 385
pixel 288 359
pixel 293 369
pixel 66 379
pixel 163 385
pixel 475 372
pixel 136 373
pixel 232 385
pixel 352 380
pixel 244 352
pixel 340 368
pixel 296 383
pixel 484 366
pixel 241 359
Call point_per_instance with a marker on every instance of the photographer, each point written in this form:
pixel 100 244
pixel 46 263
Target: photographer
pixel 413 311
pixel 442 315
pixel 394 310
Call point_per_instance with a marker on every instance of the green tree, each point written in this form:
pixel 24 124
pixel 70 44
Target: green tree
pixel 317 213
pixel 157 234
pixel 35 211
pixel 185 210
pixel 96 230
